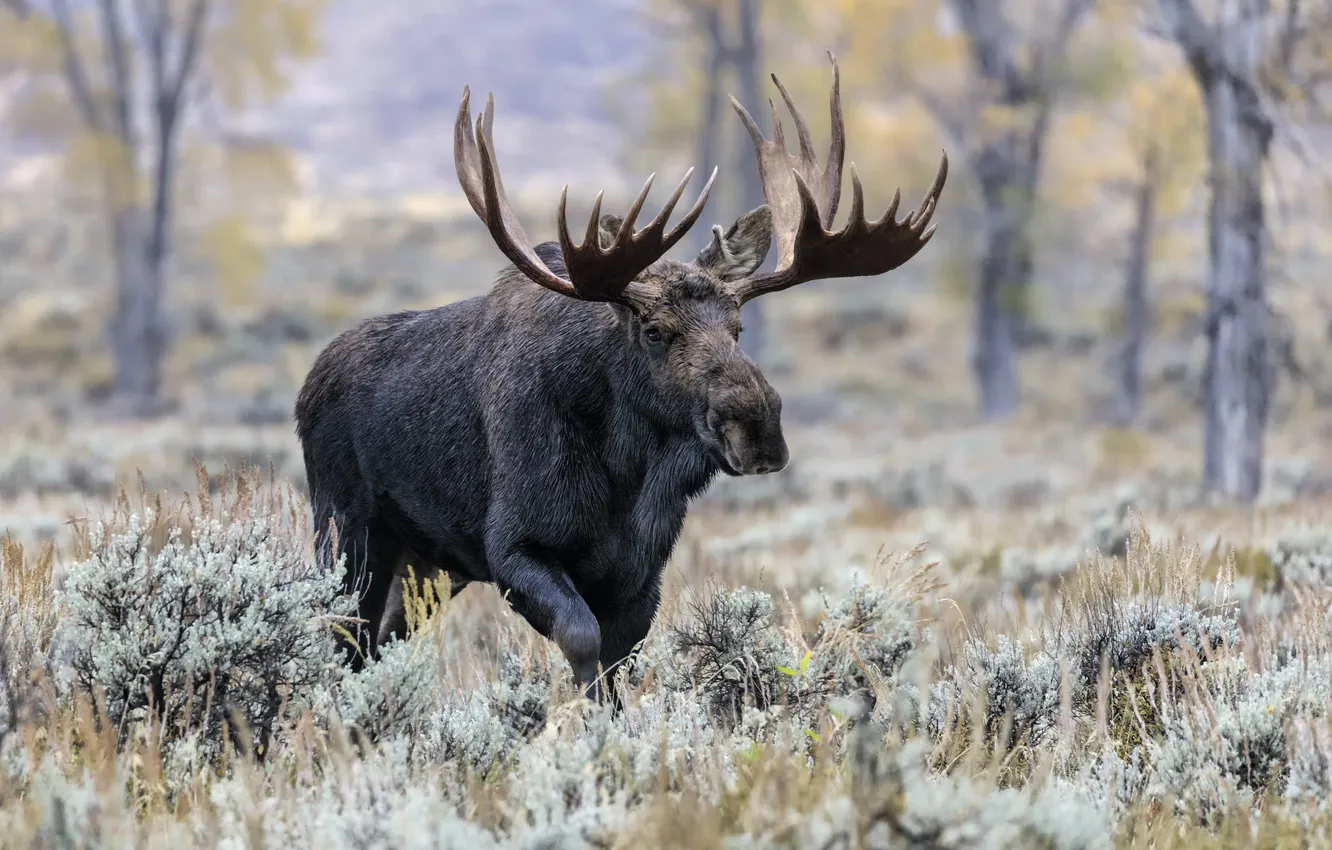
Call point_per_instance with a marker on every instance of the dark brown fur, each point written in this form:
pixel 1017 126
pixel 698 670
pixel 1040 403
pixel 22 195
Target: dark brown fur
pixel 538 442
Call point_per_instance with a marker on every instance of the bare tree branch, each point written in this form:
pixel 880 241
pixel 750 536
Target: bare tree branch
pixel 1290 36
pixel 153 29
pixel 1070 16
pixel 167 92
pixel 709 142
pixel 948 120
pixel 1194 36
pixel 991 41
pixel 190 51
pixel 121 77
pixel 75 74
pixel 1055 47
pixel 1073 12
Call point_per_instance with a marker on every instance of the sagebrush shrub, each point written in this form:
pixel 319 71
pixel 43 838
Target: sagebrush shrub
pixel 28 618
pixel 861 641
pixel 391 694
pixel 730 651
pixel 226 619
pixel 1118 637
pixel 1303 556
pixel 744 727
pixel 1234 741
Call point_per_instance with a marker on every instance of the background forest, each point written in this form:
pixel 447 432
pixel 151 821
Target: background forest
pixel 1052 561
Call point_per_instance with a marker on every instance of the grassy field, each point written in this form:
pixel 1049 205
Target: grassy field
pixel 926 632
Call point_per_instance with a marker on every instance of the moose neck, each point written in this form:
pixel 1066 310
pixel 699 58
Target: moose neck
pixel 656 436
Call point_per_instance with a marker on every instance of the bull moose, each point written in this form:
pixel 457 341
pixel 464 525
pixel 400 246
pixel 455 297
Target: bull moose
pixel 548 436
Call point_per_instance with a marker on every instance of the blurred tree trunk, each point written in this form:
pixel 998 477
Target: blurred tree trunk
pixel 140 227
pixel 1007 190
pixel 1227 59
pixel 747 61
pixel 1237 378
pixel 709 137
pixel 743 56
pixel 1135 293
pixel 138 328
pixel 1007 167
pixel 142 247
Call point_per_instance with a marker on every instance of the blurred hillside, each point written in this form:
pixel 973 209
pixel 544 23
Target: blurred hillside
pixel 373 114
pixel 880 403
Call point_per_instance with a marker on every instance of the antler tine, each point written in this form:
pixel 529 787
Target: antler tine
pixel 836 141
pixel 803 200
pixel 802 129
pixel 627 226
pixel 856 218
pixel 930 202
pixel 465 156
pixel 478 175
pixel 593 235
pixel 594 273
pixel 778 132
pixel 776 166
pixel 695 211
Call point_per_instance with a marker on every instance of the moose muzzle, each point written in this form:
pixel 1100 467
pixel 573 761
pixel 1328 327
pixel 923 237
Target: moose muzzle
pixel 744 422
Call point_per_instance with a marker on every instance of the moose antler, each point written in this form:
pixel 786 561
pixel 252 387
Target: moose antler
pixel 595 273
pixel 803 199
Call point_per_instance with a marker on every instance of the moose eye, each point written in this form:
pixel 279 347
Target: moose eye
pixel 652 335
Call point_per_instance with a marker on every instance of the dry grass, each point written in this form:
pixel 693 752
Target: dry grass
pixel 813 770
pixel 1001 728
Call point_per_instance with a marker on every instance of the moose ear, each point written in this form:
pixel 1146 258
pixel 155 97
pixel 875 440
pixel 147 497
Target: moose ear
pixel 739 252
pixel 610 228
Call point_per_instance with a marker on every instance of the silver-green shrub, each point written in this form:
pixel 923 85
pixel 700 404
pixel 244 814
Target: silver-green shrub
pixel 230 621
pixel 1303 555
pixel 730 652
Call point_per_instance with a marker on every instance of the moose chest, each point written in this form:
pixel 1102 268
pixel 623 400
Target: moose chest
pixel 640 519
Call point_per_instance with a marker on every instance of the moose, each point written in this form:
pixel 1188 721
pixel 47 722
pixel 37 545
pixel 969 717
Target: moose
pixel 548 436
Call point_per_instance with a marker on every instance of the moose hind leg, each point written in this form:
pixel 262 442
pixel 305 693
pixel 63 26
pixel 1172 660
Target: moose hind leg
pixel 547 599
pixel 372 555
pixel 394 621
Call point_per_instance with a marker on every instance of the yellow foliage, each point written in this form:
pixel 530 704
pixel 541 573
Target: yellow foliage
pixel 1175 245
pixel 896 40
pixel 259 170
pixel 246 48
pixel 103 160
pixel 235 257
pixel 956 278
pixel 892 149
pixel 29 43
pixel 1121 449
pixel 1099 69
pixel 1178 311
pixel 1083 158
pixel 251 43
pixel 1166 113
pixel 1119 14
pixel 998 118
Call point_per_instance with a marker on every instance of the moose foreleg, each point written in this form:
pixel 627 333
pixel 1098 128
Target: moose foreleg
pixel 621 634
pixel 546 598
